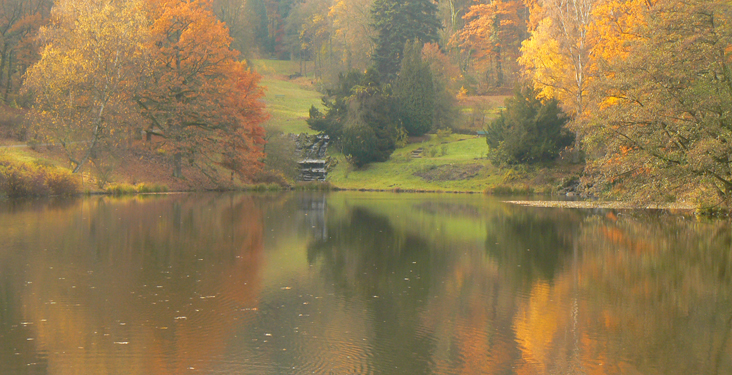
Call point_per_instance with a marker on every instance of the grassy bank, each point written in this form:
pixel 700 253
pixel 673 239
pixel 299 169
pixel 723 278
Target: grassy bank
pixel 454 163
pixel 288 100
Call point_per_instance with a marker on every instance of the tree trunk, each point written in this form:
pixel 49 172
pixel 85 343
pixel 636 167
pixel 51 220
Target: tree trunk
pixel 10 77
pixel 3 62
pixel 177 169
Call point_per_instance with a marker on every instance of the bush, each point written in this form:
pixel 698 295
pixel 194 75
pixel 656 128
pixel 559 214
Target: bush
pixel 20 179
pixel 270 177
pixel 265 187
pixel 144 187
pixel 528 131
pixel 62 182
pixel 443 133
pixel 281 159
pixel 141 188
pixel 121 189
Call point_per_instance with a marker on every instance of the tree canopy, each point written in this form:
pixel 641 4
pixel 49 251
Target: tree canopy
pixel 358 118
pixel 396 22
pixel 87 72
pixel 106 61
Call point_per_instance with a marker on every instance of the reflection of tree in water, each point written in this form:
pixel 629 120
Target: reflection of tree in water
pixel 392 270
pixel 161 282
pixel 532 244
pixel 650 295
pixel 674 278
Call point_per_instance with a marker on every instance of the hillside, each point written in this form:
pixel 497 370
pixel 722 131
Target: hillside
pixel 457 162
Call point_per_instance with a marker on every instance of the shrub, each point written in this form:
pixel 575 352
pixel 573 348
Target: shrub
pixel 262 187
pixel 271 177
pixel 315 186
pixel 144 187
pixel 528 131
pixel 121 189
pixel 62 182
pixel 444 133
pixel 20 179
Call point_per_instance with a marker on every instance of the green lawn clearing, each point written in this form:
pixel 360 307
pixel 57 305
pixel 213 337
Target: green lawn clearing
pixel 288 101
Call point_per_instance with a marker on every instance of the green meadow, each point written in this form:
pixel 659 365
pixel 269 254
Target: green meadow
pixel 456 162
pixel 288 101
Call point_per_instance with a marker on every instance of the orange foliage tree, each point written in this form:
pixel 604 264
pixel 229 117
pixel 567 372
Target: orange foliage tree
pixel 19 24
pixel 493 34
pixel 197 96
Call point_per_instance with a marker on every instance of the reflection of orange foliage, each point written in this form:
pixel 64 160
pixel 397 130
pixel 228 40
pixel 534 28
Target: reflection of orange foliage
pixel 471 325
pixel 164 327
pixel 537 324
pixel 617 237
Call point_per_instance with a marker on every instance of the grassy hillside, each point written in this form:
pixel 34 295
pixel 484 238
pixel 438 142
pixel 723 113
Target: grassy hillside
pixel 288 100
pixel 453 163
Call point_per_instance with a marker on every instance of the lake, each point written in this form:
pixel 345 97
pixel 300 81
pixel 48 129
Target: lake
pixel 358 283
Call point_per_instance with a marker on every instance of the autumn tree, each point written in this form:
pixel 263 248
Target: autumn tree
pixel 557 56
pixel 197 96
pixel 397 22
pixel 242 22
pixel 664 122
pixel 352 32
pixel 308 33
pixel 20 21
pixel 87 69
pixel 492 36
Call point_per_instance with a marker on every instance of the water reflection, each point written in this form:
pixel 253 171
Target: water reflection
pixel 136 287
pixel 358 283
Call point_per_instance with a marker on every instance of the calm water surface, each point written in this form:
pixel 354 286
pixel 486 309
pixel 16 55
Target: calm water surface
pixel 348 283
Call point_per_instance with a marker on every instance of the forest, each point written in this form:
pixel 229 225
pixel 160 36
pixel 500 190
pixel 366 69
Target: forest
pixel 635 93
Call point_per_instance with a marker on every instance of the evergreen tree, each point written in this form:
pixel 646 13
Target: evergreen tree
pixel 414 92
pixel 336 107
pixel 370 133
pixel 396 22
pixel 358 118
pixel 529 131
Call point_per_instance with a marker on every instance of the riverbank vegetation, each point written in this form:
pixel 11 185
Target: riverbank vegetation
pixel 615 99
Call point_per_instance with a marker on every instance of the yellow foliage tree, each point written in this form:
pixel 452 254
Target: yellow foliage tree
pixel 87 67
pixel 352 30
pixel 557 56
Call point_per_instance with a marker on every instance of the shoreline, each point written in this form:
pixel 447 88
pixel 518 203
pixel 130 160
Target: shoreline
pixel 605 205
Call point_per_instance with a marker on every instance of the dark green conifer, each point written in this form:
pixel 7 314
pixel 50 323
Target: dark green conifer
pixel 414 93
pixel 399 21
pixel 358 118
pixel 528 131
